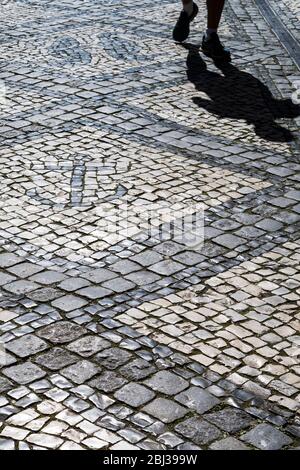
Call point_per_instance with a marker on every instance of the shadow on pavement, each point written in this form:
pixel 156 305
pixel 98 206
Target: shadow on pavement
pixel 239 95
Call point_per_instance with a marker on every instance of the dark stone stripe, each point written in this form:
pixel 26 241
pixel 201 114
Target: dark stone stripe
pixel 285 37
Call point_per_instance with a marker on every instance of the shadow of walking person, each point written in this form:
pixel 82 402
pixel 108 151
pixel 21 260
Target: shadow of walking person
pixel 239 95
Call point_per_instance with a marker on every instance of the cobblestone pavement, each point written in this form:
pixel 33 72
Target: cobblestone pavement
pixel 117 339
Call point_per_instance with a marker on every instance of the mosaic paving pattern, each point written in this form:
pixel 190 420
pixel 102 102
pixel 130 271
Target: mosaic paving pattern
pixel 114 336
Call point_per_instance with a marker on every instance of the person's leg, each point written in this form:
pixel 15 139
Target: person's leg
pixel 214 13
pixel 211 45
pixel 182 28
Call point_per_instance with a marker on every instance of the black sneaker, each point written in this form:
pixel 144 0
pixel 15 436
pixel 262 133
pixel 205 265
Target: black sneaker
pixel 182 28
pixel 213 48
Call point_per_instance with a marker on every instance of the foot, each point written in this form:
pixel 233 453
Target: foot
pixel 182 28
pixel 213 48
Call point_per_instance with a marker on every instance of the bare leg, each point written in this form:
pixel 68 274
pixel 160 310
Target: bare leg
pixel 211 45
pixel 214 13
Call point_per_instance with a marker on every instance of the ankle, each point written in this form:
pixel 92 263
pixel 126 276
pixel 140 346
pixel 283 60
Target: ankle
pixel 209 32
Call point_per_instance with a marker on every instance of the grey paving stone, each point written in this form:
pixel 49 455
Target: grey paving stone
pixel 169 248
pixel 26 345
pixel 45 294
pixel 6 279
pixel 267 437
pixel 166 382
pixel 165 410
pixel 270 225
pixel 62 332
pixel 137 369
pixel 162 351
pixel 7 444
pixel 93 292
pixel 157 427
pixel 5 385
pixel 112 358
pixel 89 345
pixel 24 373
pixel 229 241
pixel 7 359
pixel 73 284
pixel 21 287
pixel 111 423
pixel 170 439
pixel 280 171
pixel 125 266
pixel 97 276
pixel 149 444
pixel 121 411
pixel 26 319
pixel 294 430
pixel 108 381
pixel 294 194
pixel 229 443
pixel 283 388
pixel 249 232
pixel 48 277
pixel 101 401
pixel 230 419
pixel 211 232
pixel 134 394
pixel 188 446
pixel 76 404
pixel 56 359
pixel 166 267
pixel 281 202
pixel 199 431
pixel 25 269
pixel 197 399
pixel 81 371
pixel 189 258
pixel 69 303
pixel 118 285
pixel 131 435
pixel 147 258
pixel 142 278
pixel 211 250
pixel 226 224
pixel 7 411
pixel 45 440
pixel 9 259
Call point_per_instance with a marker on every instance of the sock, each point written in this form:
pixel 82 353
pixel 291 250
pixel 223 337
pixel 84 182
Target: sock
pixel 208 33
pixel 189 7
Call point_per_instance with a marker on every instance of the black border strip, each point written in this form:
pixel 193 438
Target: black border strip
pixel 285 37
